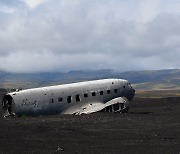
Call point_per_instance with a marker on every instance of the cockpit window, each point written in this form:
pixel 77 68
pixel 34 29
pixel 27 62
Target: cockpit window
pixel 129 85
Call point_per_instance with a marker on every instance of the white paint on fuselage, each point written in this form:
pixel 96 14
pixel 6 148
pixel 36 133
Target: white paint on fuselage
pixel 53 99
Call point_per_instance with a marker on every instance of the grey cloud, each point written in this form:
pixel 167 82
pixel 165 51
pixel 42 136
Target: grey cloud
pixel 10 2
pixel 65 35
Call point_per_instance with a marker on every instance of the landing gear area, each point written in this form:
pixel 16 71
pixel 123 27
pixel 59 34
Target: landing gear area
pixel 119 108
pixel 7 106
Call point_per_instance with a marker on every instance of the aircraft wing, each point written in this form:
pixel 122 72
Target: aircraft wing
pixel 92 107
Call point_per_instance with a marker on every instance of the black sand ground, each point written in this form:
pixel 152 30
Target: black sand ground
pixel 152 126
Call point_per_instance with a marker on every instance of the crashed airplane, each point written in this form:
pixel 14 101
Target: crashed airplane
pixel 109 95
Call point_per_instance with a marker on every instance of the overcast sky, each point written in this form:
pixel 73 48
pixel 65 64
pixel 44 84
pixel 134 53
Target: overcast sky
pixel 63 35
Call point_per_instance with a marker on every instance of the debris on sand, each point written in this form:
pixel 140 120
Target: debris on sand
pixel 59 149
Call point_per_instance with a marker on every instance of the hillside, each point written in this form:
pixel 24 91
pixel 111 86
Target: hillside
pixel 141 80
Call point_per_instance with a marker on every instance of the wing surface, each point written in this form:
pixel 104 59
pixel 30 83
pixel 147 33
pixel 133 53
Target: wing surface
pixel 91 107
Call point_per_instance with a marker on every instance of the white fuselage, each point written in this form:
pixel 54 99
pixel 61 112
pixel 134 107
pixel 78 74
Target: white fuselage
pixel 68 98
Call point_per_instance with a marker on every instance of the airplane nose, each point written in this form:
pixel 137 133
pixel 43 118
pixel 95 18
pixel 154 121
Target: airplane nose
pixel 130 94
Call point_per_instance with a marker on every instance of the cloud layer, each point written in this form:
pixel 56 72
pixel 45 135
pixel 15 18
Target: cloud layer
pixel 61 35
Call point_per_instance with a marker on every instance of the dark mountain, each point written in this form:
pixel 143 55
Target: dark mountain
pixel 151 79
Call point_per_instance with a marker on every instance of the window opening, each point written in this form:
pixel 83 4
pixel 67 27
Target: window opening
pixel 69 99
pixel 85 95
pixel 77 98
pixel 101 92
pixel 108 91
pixel 115 90
pixel 51 101
pixel 93 94
pixel 60 99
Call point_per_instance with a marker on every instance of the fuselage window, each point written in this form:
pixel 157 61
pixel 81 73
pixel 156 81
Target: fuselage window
pixel 60 99
pixel 101 92
pixel 85 95
pixel 115 90
pixel 93 94
pixel 69 99
pixel 77 98
pixel 51 101
pixel 108 91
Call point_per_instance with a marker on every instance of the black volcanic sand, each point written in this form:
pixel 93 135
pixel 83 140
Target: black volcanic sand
pixel 152 126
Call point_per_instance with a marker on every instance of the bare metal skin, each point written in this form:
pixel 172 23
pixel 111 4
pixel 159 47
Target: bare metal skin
pixel 109 95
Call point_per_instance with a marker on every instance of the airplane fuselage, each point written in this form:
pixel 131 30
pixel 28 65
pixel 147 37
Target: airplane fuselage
pixel 75 98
